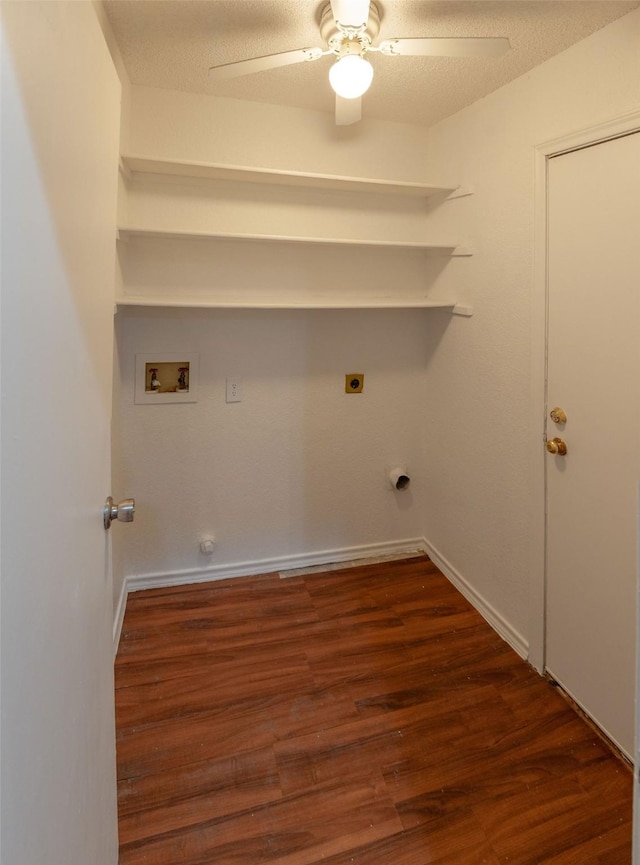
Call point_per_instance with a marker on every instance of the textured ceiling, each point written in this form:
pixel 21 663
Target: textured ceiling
pixel 172 43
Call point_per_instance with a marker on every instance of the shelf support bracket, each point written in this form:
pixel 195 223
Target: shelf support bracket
pixel 459 192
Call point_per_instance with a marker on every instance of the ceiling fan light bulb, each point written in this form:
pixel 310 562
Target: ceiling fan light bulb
pixel 351 76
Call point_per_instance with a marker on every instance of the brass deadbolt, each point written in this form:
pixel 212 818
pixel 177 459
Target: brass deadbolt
pixel 558 415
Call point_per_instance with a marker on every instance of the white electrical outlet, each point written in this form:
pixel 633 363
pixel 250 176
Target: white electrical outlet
pixel 234 389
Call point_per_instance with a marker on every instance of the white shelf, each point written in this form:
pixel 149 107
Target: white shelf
pixel 188 247
pixel 235 173
pixel 441 247
pixel 307 303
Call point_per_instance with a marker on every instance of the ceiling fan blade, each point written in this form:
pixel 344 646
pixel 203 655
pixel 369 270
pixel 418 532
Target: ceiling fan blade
pixel 348 111
pixel 261 64
pixel 445 47
pixel 350 13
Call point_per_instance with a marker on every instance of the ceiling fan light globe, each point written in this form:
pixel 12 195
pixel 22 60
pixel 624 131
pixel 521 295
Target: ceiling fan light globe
pixel 351 76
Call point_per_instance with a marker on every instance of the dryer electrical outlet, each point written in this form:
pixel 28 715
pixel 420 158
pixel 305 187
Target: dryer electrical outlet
pixel 354 382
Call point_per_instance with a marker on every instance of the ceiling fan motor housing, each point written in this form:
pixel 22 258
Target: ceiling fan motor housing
pixel 335 36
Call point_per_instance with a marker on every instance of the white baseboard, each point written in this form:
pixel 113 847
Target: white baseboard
pixel 486 610
pixel 162 579
pixel 266 566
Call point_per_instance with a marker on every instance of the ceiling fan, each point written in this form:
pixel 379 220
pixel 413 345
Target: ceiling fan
pixel 348 28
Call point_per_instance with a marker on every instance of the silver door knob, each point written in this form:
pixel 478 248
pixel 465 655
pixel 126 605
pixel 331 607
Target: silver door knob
pixel 124 511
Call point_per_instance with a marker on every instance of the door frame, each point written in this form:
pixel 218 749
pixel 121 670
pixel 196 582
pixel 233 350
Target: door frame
pixel 613 128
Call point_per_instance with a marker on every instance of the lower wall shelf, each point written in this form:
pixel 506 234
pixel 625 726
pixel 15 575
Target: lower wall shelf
pixel 176 271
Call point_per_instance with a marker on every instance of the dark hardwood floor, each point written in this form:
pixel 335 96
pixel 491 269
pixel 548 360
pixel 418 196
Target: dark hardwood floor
pixel 367 715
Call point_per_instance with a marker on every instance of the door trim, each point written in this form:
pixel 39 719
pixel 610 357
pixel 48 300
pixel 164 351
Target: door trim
pixel 613 128
pixel 636 752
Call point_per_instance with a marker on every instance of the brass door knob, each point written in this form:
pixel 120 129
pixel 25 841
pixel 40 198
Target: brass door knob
pixel 557 446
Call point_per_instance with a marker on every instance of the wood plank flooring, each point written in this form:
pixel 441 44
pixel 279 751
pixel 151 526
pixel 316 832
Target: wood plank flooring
pixel 367 716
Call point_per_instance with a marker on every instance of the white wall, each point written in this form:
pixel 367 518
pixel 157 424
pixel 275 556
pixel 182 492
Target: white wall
pixel 297 467
pixel 190 126
pixel 482 514
pixel 118 62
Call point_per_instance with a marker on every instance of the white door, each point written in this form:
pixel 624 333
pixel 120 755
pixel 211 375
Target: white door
pixel 594 376
pixel 60 122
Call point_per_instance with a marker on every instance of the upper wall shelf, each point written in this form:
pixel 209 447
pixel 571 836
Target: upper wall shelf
pixel 271 176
